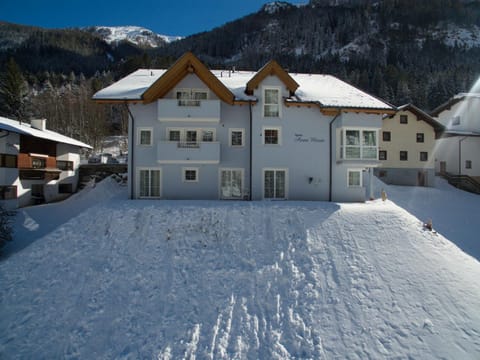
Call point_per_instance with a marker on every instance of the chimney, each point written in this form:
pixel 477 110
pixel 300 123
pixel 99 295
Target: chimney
pixel 39 124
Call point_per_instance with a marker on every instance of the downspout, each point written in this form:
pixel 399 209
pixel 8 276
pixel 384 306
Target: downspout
pixel 460 155
pixel 331 154
pixel 251 147
pixel 131 154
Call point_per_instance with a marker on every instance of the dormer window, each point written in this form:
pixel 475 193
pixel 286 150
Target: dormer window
pixel 191 97
pixel 271 102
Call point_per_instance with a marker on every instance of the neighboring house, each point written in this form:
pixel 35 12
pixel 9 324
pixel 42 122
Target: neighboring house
pixel 407 147
pixel 202 134
pixel 458 151
pixel 36 164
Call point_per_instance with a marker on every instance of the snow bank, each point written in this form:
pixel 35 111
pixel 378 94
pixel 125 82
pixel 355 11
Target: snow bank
pixel 32 223
pixel 454 212
pixel 223 280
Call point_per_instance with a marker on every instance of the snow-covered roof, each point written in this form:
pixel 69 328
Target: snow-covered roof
pixel 333 92
pixel 461 133
pixel 326 90
pixel 464 95
pixel 130 87
pixel 27 129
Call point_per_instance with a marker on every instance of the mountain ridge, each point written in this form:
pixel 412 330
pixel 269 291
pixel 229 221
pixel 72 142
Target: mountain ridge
pixel 140 36
pixel 401 51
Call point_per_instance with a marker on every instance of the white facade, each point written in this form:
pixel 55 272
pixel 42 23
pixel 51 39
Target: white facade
pixel 458 150
pixel 240 135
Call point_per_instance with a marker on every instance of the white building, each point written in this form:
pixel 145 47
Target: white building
pixel 36 164
pixel 197 133
pixel 458 151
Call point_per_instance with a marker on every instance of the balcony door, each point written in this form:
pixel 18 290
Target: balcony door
pixel 275 184
pixel 149 181
pixel 231 183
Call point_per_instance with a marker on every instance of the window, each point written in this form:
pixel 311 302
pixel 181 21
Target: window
pixel 271 102
pixel 191 97
pixel 456 120
pixel 145 136
pixel 39 163
pixel 271 136
pixel 236 137
pixel 190 138
pixel 149 183
pixel 423 156
pixel 352 148
pixel 359 144
pixel 190 175
pixel 65 188
pixel 8 192
pixel 174 135
pixel 468 164
pixel 369 145
pixel 420 138
pixel 387 136
pixel 8 161
pixel 382 155
pixel 65 165
pixel 354 178
pixel 403 155
pixel 403 119
pixel 207 135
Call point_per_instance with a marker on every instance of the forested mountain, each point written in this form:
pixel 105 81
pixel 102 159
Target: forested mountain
pixel 400 50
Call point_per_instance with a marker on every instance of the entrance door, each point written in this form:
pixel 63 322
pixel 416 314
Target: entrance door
pixel 443 167
pixel 275 184
pixel 421 178
pixel 231 183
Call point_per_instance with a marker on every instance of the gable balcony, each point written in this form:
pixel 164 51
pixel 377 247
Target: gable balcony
pixel 189 110
pixel 186 152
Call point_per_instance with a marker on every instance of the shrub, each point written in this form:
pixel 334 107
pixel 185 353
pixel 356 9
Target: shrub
pixel 6 219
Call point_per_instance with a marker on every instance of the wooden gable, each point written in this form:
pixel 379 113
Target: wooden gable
pixel 272 68
pixel 187 64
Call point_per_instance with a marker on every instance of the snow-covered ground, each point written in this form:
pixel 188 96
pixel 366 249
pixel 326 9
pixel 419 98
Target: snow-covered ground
pixel 99 276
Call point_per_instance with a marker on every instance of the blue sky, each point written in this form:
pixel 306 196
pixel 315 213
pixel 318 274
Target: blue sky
pixel 169 17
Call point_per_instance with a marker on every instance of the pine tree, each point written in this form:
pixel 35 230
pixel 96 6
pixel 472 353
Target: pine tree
pixel 13 92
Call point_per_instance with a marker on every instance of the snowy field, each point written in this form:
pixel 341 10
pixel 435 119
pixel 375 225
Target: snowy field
pixel 101 277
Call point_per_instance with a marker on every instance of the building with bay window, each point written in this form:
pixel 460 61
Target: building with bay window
pixel 36 165
pixel 197 133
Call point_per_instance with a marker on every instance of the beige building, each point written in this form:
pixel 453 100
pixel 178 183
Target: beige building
pixel 407 147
